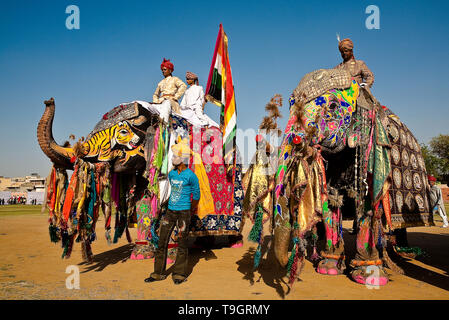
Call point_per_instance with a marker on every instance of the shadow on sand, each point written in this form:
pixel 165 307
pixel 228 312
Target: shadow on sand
pixel 122 254
pixel 436 248
pixel 436 255
pixel 102 260
pixel 271 273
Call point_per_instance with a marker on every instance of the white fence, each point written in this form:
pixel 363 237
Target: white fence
pixel 37 196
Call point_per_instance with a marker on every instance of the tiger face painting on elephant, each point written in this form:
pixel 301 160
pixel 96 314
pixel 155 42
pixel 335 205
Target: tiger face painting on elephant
pixel 341 145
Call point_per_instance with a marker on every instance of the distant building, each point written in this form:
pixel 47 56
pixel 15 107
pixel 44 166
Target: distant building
pixel 32 182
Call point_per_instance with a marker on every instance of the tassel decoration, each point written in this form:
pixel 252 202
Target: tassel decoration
pixel 108 236
pixel 294 265
pixel 70 247
pixel 53 230
pixel 255 234
pixel 64 242
pixel 257 256
pixel 291 259
pixel 315 256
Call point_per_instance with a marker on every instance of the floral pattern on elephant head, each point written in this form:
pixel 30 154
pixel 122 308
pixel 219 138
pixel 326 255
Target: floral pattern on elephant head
pixel 331 114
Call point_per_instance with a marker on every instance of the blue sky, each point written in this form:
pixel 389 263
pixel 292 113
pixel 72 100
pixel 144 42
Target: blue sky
pixel 115 56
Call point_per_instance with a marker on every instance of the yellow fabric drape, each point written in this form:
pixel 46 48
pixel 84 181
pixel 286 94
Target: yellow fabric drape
pixel 206 204
pixel 257 184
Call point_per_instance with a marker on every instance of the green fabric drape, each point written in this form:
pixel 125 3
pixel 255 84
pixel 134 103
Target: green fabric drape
pixel 379 163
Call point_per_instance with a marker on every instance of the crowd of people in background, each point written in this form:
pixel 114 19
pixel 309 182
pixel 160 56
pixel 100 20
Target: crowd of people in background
pixel 17 200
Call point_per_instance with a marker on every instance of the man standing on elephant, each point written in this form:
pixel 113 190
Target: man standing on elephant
pixel 168 92
pixel 357 68
pixel 183 201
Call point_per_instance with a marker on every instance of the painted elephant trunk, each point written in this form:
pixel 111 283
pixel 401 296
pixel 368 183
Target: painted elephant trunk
pixel 59 155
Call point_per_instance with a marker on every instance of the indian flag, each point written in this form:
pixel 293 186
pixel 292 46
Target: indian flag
pixel 220 90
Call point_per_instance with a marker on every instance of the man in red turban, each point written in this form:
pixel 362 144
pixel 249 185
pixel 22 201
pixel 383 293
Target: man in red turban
pixel 168 65
pixel 357 68
pixel 169 90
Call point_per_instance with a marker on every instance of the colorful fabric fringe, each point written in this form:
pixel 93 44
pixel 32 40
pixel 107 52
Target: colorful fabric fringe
pixel 74 207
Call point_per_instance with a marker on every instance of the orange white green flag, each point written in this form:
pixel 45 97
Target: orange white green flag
pixel 220 91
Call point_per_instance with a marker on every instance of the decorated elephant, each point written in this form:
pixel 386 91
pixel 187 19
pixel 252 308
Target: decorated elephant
pixel 123 164
pixel 341 145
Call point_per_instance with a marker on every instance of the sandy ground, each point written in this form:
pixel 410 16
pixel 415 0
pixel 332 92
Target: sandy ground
pixel 31 268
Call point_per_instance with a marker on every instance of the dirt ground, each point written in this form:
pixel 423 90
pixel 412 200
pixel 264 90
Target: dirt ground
pixel 31 268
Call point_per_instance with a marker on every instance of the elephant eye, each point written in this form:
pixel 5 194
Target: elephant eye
pixel 333 106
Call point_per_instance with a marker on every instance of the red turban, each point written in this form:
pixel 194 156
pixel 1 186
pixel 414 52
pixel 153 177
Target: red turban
pixel 431 178
pixel 167 64
pixel 345 43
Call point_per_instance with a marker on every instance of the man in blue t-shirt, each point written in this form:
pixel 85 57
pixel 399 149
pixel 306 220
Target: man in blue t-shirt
pixel 183 201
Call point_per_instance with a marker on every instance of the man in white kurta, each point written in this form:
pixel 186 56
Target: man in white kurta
pixel 192 103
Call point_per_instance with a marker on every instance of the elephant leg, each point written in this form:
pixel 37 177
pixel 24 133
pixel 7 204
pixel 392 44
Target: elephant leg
pixel 367 266
pixel 333 262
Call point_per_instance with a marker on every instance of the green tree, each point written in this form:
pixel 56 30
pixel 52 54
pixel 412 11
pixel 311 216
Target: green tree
pixel 436 157
pixel 432 161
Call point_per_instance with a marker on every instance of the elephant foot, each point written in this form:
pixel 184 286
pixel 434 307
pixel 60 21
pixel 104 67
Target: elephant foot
pixel 142 252
pixel 369 273
pixel 330 266
pixel 235 241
